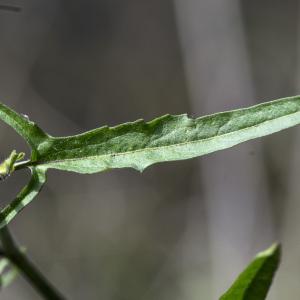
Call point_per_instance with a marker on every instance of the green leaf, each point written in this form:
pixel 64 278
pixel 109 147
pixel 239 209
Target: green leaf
pixel 140 144
pixel 255 281
pixel 26 195
pixel 33 135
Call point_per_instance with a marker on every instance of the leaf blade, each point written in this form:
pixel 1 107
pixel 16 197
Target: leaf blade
pixel 140 144
pixel 27 129
pixel 254 282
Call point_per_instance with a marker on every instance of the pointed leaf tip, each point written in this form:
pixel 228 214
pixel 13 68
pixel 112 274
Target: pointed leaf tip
pixel 254 282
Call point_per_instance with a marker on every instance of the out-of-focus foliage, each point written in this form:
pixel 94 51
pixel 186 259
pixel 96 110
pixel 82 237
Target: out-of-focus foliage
pixel 7 272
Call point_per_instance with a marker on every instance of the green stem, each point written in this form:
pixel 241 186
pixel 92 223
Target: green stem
pixel 25 266
pixel 21 165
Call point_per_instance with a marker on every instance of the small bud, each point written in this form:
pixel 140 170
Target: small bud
pixel 7 167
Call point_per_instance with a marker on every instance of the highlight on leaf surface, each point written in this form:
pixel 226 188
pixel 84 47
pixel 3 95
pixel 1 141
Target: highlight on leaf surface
pixel 255 281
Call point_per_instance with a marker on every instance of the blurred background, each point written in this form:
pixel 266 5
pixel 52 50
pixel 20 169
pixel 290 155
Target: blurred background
pixel 180 230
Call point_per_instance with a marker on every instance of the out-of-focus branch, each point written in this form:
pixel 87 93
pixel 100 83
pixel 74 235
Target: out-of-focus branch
pixel 13 253
pixel 10 8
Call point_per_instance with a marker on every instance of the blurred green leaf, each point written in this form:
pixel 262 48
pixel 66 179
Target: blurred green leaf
pixel 255 281
pixel 8 272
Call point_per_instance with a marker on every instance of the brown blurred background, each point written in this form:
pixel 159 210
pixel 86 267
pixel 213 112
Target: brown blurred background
pixel 180 230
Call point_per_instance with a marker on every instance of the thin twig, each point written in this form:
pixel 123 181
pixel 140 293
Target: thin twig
pixel 10 8
pixel 25 266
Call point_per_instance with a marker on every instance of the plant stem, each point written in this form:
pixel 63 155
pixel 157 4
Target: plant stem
pixel 25 266
pixel 22 164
